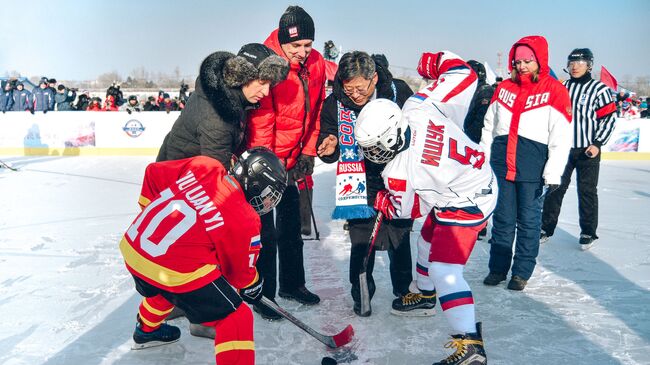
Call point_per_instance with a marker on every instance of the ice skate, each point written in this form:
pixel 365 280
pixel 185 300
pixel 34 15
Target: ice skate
pixel 164 335
pixel 415 304
pixel 469 349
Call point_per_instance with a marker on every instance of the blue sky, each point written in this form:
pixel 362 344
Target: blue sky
pixel 78 40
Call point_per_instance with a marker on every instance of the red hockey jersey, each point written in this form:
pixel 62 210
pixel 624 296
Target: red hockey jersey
pixel 195 226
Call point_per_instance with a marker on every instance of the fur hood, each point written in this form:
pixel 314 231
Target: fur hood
pixel 228 102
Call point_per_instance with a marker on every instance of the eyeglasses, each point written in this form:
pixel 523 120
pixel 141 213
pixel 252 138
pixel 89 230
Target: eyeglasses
pixel 359 90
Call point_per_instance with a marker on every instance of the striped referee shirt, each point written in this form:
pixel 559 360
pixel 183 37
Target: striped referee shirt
pixel 593 111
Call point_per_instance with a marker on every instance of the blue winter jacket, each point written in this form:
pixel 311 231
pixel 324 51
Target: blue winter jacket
pixel 6 100
pixel 22 100
pixel 43 99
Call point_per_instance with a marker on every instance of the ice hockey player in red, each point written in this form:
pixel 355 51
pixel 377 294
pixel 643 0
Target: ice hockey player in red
pixel 195 245
pixel 436 171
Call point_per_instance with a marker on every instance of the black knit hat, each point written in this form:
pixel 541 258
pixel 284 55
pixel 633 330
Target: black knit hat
pixel 295 25
pixel 255 61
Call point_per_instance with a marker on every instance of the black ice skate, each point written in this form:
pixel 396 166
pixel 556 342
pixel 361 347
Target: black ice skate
pixel 469 349
pixel 164 335
pixel 415 304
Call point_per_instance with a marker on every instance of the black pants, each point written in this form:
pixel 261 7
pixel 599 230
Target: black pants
pixel 394 236
pixel 587 170
pixel 281 238
pixel 211 302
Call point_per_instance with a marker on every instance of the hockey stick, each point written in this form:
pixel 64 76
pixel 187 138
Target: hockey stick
pixel 311 208
pixel 363 277
pixel 5 165
pixel 337 340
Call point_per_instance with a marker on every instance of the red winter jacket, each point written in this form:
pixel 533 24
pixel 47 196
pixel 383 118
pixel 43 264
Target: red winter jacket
pixel 280 123
pixel 527 128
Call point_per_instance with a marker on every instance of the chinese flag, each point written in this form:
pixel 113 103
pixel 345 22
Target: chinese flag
pixel 607 78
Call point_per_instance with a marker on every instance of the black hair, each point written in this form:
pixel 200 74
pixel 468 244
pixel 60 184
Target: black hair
pixel 354 64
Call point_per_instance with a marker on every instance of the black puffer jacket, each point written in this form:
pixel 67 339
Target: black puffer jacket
pixel 213 121
pixel 329 121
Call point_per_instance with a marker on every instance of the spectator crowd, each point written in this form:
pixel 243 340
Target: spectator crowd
pixel 51 96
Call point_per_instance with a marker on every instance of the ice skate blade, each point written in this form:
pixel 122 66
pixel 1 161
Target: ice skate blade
pixel 146 345
pixel 414 313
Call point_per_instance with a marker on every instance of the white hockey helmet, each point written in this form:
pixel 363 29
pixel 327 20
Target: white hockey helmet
pixel 379 131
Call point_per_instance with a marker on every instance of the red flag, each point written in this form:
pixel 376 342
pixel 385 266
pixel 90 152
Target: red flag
pixel 330 70
pixel 607 78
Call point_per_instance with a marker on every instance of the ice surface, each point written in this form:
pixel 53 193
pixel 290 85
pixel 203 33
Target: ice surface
pixel 66 298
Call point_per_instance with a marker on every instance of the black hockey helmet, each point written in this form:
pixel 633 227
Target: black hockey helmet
pixel 584 54
pixel 262 176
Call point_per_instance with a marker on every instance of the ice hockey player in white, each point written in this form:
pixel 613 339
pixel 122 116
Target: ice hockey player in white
pixel 436 171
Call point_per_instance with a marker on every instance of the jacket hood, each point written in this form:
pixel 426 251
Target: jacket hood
pixel 539 45
pixel 383 88
pixel 228 102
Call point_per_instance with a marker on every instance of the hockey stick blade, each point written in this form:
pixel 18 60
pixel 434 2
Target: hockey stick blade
pixel 7 166
pixel 342 338
pixel 363 276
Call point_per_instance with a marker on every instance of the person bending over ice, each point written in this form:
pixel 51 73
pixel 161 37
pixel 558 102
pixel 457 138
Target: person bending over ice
pixel 436 171
pixel 195 245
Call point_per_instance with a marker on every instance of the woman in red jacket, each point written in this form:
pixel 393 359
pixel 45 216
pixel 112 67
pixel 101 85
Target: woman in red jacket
pixel 527 133
pixel 288 122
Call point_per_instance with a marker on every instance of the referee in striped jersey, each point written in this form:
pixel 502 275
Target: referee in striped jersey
pixel 593 122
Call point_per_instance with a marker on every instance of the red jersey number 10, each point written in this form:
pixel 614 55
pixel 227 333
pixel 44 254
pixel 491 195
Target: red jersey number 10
pixel 179 227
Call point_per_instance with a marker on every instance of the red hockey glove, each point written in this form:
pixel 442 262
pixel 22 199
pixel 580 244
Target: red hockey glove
pixel 428 65
pixel 384 204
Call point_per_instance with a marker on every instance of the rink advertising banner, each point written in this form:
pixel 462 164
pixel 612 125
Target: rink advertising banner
pixel 629 135
pixel 84 133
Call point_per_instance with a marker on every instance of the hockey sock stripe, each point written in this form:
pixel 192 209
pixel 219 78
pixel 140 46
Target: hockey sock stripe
pixel 155 311
pixel 422 270
pixel 456 299
pixel 234 345
pixel 149 326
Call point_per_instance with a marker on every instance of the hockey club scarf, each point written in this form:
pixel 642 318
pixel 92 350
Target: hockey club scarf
pixel 351 194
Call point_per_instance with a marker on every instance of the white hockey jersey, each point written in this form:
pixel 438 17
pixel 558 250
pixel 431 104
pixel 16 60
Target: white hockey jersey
pixel 442 170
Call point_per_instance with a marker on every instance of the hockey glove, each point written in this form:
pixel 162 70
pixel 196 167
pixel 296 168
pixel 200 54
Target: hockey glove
pixel 304 166
pixel 253 293
pixel 384 204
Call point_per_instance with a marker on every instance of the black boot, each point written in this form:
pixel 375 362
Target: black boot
pixel 415 304
pixel 266 312
pixel 494 278
pixel 300 295
pixel 517 283
pixel 469 349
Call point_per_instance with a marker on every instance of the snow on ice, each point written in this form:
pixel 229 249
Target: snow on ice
pixel 66 298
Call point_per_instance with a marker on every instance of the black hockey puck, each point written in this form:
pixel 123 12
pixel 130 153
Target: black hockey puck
pixel 328 361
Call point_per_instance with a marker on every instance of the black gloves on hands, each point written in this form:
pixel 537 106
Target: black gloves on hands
pixel 129 111
pixel 548 189
pixel 253 293
pixel 304 166
pixel 44 111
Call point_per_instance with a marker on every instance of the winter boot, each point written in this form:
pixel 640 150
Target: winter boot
pixel 415 304
pixel 517 283
pixel 300 295
pixel 494 278
pixel 266 312
pixel 586 241
pixel 469 349
pixel 163 335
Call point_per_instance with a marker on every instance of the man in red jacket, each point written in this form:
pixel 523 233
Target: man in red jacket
pixel 288 123
pixel 194 246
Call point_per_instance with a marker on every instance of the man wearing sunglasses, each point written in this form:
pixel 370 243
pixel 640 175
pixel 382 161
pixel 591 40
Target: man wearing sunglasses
pixel 593 123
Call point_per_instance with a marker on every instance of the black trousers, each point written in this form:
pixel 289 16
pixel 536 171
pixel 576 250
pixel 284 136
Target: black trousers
pixel 394 236
pixel 281 238
pixel 587 170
